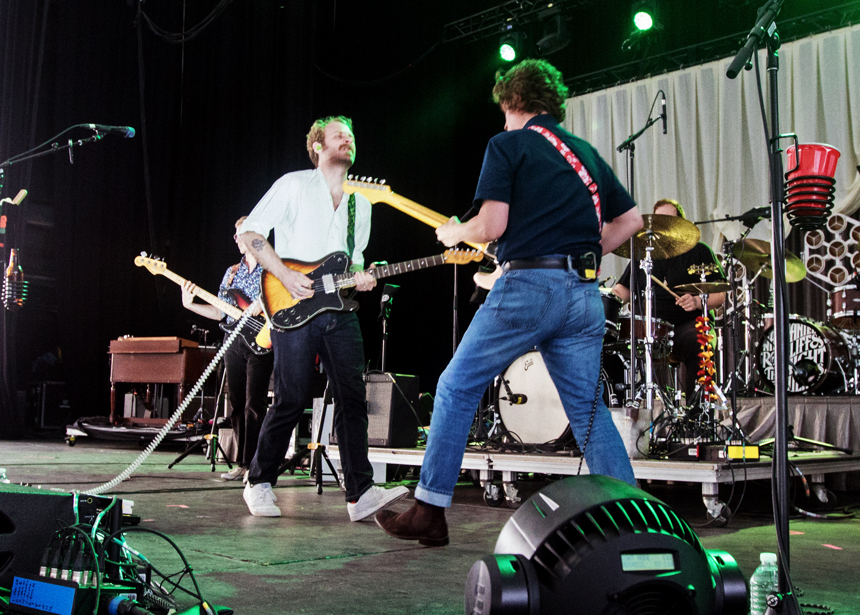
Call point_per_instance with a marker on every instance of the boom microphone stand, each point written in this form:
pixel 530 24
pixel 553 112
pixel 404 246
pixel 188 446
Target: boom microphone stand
pixel 630 147
pixel 765 30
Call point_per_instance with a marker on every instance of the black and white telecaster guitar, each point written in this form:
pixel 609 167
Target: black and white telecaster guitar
pixel 255 333
pixel 330 276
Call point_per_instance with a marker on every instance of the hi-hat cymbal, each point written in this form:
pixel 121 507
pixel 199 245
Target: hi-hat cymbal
pixel 668 236
pixel 755 255
pixel 703 288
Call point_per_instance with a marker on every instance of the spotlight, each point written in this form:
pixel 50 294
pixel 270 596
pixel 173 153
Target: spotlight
pixel 644 14
pixel 556 36
pixel 606 547
pixel 511 44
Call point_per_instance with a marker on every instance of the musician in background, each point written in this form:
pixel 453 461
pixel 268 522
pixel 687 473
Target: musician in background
pixel 546 210
pixel 248 374
pixel 313 217
pixel 681 312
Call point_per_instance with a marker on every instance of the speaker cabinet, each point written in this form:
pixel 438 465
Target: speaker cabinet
pixel 391 423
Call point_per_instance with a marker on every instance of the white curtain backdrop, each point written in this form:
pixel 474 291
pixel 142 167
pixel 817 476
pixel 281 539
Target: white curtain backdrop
pixel 714 158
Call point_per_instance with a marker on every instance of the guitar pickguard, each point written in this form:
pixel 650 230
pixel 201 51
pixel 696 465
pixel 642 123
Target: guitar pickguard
pixel 285 312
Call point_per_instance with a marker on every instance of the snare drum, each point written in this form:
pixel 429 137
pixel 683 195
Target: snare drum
pixel 611 309
pixel 845 302
pixel 818 349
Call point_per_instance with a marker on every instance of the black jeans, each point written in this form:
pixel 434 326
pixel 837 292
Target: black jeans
pixel 248 377
pixel 336 338
pixel 685 346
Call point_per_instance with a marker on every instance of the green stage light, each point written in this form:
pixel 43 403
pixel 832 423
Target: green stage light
pixel 643 20
pixel 512 44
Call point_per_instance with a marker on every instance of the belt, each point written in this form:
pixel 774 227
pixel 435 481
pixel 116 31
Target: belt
pixel 584 264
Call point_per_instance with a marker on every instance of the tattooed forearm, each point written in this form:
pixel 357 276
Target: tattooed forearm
pixel 258 244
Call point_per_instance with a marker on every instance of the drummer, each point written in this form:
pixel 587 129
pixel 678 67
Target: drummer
pixel 681 312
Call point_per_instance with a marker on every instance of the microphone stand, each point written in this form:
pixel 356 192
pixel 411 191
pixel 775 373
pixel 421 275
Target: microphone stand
pixel 765 30
pixel 630 147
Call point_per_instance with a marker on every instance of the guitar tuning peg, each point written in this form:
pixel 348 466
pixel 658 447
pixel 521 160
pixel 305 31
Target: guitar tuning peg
pixel 363 178
pixel 350 176
pixel 382 182
pixel 143 253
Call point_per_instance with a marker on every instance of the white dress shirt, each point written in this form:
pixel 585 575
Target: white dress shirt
pixel 307 226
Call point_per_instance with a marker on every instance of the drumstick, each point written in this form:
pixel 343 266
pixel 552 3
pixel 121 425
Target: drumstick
pixel 666 288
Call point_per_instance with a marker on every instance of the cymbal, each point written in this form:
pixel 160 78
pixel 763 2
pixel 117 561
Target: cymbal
pixel 704 288
pixel 668 235
pixel 755 255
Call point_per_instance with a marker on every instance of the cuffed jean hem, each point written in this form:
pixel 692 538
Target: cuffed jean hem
pixel 431 497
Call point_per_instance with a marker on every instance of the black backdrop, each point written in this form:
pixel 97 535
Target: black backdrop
pixel 218 119
pixel 223 116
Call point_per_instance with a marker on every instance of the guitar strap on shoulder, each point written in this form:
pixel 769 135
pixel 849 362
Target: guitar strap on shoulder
pixel 233 271
pixel 350 225
pixel 577 165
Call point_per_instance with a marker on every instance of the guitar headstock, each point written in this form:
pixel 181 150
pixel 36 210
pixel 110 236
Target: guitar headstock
pixel 374 189
pixel 155 266
pixel 457 256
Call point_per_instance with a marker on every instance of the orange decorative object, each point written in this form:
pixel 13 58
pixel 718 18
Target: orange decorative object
pixel 705 375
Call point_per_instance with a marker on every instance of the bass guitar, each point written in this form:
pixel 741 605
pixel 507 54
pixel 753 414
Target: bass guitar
pixel 330 276
pixel 255 333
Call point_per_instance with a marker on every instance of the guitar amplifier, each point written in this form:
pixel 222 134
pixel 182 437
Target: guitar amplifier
pixel 391 422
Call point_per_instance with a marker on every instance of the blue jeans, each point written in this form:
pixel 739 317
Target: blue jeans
pixel 560 314
pixel 336 337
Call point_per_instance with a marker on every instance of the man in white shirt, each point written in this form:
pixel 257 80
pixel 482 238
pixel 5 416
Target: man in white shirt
pixel 312 217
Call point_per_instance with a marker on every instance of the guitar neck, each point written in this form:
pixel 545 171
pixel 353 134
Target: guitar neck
pixel 347 280
pixel 409 207
pixel 231 310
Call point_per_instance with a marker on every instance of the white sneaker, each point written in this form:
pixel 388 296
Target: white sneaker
pixel 235 474
pixel 261 500
pixel 373 500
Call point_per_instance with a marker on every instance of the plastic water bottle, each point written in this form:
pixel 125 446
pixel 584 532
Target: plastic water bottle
pixel 763 581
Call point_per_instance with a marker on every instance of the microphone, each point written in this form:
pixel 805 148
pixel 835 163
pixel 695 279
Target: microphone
pixel 124 606
pixel 123 131
pixel 516 399
pixel 663 104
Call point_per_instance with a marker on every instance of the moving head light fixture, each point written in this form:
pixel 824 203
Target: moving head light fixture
pixel 594 545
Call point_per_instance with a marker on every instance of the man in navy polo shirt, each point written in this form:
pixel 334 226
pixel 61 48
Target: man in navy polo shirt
pixel 555 208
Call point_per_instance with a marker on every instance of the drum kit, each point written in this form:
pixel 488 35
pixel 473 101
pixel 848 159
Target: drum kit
pixel 823 355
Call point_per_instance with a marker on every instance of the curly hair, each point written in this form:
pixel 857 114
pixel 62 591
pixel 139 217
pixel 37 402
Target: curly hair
pixel 532 86
pixel 674 204
pixel 317 134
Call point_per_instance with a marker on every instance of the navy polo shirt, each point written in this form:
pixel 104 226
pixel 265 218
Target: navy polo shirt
pixel 551 211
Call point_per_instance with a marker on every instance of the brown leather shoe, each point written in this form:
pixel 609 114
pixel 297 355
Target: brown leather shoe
pixel 426 524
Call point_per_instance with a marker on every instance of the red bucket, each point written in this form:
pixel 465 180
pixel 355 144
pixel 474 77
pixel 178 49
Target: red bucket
pixel 816 159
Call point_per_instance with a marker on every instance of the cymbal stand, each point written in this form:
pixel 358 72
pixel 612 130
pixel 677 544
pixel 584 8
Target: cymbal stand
pixel 647 265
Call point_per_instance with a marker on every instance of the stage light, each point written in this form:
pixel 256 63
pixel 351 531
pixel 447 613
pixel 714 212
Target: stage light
pixel 644 14
pixel 556 35
pixel 511 44
pixel 606 547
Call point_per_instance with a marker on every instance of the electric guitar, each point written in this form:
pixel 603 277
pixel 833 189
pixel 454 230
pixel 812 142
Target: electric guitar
pixel 255 333
pixel 377 192
pixel 330 275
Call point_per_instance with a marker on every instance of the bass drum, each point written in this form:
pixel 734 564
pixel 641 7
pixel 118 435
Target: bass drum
pixel 541 419
pixel 818 354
